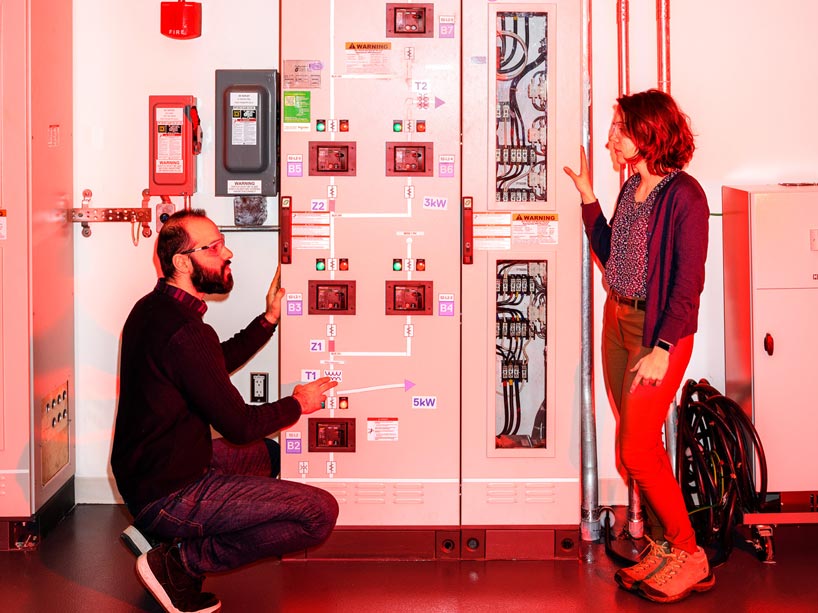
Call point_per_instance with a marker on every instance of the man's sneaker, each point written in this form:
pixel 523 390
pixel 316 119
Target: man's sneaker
pixel 653 557
pixel 137 542
pixel 161 571
pixel 681 574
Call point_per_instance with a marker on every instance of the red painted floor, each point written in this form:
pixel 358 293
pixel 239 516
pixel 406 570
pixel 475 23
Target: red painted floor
pixel 82 566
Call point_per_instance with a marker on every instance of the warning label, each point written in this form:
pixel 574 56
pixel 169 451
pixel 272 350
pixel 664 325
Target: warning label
pixel 364 58
pixel 535 217
pixel 534 228
pixel 170 167
pixel 367 46
pixel 169 140
pixel 382 429
pixel 244 125
pixel 244 187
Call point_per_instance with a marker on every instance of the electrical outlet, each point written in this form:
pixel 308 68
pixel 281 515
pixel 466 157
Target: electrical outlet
pixel 258 386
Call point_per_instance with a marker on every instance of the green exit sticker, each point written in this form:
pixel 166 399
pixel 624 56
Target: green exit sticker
pixel 296 110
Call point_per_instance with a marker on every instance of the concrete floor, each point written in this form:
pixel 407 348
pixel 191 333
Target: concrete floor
pixel 83 566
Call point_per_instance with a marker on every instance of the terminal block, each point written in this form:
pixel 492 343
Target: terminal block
pixel 521 350
pixel 522 106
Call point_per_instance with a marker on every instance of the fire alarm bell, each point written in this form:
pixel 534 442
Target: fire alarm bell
pixel 181 19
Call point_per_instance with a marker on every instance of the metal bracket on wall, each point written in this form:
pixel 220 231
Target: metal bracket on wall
pixel 86 215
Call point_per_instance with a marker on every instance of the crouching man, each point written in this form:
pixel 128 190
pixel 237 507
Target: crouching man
pixel 214 504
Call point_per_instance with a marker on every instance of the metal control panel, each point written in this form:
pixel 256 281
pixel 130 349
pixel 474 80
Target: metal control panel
pixel 433 261
pixel 370 146
pixel 522 118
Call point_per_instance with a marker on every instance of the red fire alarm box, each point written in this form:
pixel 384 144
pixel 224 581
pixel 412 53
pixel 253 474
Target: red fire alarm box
pixel 175 137
pixel 181 19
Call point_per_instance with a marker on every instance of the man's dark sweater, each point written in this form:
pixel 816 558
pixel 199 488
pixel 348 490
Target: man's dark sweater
pixel 174 384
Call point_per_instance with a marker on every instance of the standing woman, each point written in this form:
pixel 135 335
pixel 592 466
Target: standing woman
pixel 653 252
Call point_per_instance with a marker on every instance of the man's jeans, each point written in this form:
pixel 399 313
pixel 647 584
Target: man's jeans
pixel 237 513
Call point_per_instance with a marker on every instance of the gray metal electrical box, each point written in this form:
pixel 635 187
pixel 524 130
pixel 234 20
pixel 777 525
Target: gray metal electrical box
pixel 246 133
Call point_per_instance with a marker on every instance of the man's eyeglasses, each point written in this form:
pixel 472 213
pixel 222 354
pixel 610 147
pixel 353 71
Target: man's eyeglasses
pixel 215 247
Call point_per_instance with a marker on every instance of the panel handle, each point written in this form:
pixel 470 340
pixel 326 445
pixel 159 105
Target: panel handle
pixel 285 233
pixel 468 230
pixel 769 343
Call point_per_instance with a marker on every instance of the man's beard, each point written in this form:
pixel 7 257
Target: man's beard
pixel 211 281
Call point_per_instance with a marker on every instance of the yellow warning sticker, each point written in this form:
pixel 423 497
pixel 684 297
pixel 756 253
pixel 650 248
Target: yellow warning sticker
pixel 536 217
pixel 358 46
pixel 367 59
pixel 528 229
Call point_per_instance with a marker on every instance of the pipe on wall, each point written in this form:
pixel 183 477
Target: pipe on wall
pixel 623 45
pixel 623 61
pixel 589 523
pixel 663 84
pixel 636 524
pixel 663 44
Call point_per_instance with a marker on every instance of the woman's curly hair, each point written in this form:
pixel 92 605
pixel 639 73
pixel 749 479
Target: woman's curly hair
pixel 659 129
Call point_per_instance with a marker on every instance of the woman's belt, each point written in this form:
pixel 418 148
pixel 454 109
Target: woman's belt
pixel 636 303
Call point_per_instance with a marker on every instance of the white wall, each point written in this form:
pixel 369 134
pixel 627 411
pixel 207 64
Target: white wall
pixel 120 58
pixel 744 72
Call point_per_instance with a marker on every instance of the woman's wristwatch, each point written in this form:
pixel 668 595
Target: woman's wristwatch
pixel 664 345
